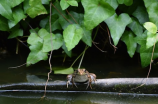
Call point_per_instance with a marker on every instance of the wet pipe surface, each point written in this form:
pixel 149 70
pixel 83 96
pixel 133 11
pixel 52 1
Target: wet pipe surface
pixel 120 85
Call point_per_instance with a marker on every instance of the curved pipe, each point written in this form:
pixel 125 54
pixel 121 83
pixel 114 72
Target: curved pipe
pixel 122 85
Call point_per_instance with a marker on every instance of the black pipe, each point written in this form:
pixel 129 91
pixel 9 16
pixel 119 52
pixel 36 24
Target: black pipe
pixel 122 85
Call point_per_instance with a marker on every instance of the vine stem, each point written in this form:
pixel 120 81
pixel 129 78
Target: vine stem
pixel 51 50
pixel 82 57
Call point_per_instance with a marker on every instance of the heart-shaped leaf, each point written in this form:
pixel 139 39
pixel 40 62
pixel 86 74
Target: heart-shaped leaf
pixel 150 27
pixel 117 25
pixel 72 35
pixel 96 11
pixel 128 38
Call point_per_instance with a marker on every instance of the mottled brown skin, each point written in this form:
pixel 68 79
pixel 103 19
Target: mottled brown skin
pixel 81 75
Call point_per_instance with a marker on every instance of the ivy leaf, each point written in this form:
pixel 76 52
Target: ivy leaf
pixel 42 33
pixel 126 2
pixel 87 38
pixel 152 7
pixel 141 14
pixel 34 39
pixel 113 3
pixel 64 5
pixel 56 41
pixel 145 53
pixel 72 35
pixel 54 23
pixel 151 27
pixel 36 54
pixel 128 38
pixel 3 24
pixel 136 27
pixel 36 8
pixel 18 14
pixel 15 33
pixel 5 10
pixel 69 53
pixel 72 2
pixel 13 4
pixel 26 5
pixel 54 11
pixel 64 71
pixel 96 11
pixel 151 39
pixel 117 25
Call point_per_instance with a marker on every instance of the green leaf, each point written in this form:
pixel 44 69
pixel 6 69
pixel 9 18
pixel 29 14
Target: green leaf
pixel 42 33
pixel 69 53
pixel 72 2
pixel 145 53
pixel 36 54
pixel 58 7
pixel 45 1
pixel 36 8
pixel 34 39
pixel 52 44
pixel 128 38
pixel 136 27
pixel 151 27
pixel 126 2
pixel 13 4
pixel 151 39
pixel 15 33
pixel 113 3
pixel 26 5
pixel 117 25
pixel 87 38
pixel 64 5
pixel 3 24
pixel 96 11
pixel 141 14
pixel 54 23
pixel 64 71
pixel 152 7
pixel 72 35
pixel 18 14
pixel 5 10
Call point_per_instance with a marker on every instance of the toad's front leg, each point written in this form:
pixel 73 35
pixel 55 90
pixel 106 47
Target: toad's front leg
pixel 69 79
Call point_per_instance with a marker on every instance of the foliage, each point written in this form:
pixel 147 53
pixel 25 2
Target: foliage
pixel 74 20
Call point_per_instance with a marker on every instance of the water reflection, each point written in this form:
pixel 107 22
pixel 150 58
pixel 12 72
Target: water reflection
pixel 71 97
